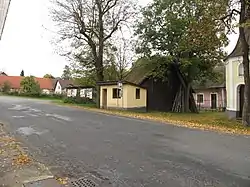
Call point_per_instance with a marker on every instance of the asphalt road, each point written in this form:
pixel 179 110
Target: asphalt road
pixel 128 152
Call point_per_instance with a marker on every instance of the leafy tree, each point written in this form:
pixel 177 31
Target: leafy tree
pixel 92 24
pixel 185 32
pixel 22 73
pixel 6 87
pixel 66 73
pixel 48 76
pixel 30 86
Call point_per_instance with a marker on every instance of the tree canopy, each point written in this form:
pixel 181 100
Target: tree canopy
pixel 187 32
pixel 91 25
pixel 30 86
pixel 22 73
pixel 6 87
pixel 66 73
pixel 48 76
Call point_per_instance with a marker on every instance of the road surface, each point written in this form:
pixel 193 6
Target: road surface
pixel 128 152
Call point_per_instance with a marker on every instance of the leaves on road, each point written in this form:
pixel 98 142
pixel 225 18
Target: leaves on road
pixel 21 159
pixel 214 121
pixel 62 180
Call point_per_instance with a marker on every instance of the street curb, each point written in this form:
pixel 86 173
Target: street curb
pixel 34 179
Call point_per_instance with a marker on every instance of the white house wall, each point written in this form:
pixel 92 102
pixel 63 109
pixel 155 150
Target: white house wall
pixel 45 91
pixel 233 81
pixel 85 92
pixel 71 92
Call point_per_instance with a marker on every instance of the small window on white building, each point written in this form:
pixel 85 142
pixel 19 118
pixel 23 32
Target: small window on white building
pixel 200 98
pixel 241 70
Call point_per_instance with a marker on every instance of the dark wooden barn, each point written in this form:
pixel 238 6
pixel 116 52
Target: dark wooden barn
pixel 162 95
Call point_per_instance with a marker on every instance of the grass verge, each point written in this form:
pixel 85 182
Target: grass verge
pixel 29 97
pixel 213 121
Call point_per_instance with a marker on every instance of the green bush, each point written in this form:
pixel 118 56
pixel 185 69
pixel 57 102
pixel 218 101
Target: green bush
pixel 51 96
pixel 6 87
pixel 30 87
pixel 78 100
pixel 13 93
pixel 37 95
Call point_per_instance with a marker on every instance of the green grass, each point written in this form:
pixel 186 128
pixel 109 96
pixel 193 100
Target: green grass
pixel 30 97
pixel 60 102
pixel 208 118
pixel 215 121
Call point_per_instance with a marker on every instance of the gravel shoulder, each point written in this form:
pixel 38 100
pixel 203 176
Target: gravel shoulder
pixel 16 166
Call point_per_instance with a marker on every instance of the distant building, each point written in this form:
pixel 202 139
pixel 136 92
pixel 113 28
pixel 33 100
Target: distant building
pixel 3 74
pixel 61 85
pixel 46 85
pixel 85 91
pixel 211 94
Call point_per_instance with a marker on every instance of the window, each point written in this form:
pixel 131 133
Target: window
pixel 137 93
pixel 116 93
pixel 200 98
pixel 241 70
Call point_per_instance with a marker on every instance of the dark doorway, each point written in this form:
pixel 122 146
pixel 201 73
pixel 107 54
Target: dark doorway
pixel 213 101
pixel 104 98
pixel 241 94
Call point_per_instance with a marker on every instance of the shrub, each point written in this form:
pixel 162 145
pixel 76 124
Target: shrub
pixel 6 87
pixel 30 87
pixel 78 100
pixel 15 93
pixel 51 96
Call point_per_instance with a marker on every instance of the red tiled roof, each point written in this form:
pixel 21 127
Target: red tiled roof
pixel 15 81
pixel 45 83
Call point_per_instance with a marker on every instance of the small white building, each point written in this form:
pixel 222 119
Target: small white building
pixel 61 85
pixel 85 91
pixel 235 80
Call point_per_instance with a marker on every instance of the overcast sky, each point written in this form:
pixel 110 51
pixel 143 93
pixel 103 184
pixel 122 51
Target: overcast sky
pixel 26 44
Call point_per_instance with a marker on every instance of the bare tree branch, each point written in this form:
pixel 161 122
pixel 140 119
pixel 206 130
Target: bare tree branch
pixel 92 22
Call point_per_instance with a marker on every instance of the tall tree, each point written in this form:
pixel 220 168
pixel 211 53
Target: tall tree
pixel 22 73
pixel 30 86
pixel 92 23
pixel 187 32
pixel 6 87
pixel 243 26
pixel 48 76
pixel 66 73
pixel 123 54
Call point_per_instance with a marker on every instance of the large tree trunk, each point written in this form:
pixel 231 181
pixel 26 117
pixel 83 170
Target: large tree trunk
pixel 187 97
pixel 100 77
pixel 99 63
pixel 245 49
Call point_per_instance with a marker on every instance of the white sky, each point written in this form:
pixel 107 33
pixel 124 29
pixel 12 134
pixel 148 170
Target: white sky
pixel 26 43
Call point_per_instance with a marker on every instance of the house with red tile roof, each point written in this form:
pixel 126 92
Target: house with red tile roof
pixel 3 74
pixel 46 84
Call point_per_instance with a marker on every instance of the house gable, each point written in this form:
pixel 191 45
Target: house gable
pixel 3 73
pixel 58 88
pixel 237 52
